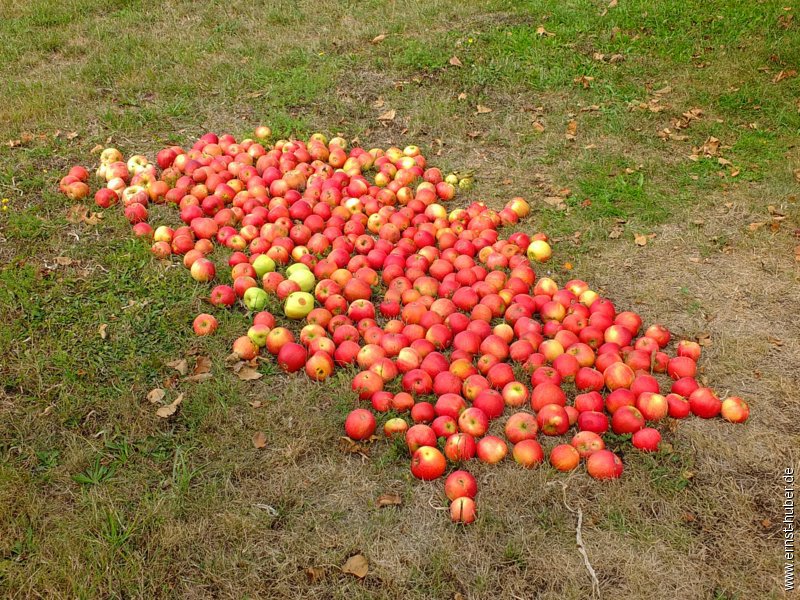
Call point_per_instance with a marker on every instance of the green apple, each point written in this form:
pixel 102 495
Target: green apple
pixel 295 267
pixel 298 305
pixel 258 335
pixel 255 299
pixel 263 264
pixel 304 278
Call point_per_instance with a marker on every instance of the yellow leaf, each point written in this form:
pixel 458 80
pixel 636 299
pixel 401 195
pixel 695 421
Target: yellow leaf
pixel 259 440
pixel 356 565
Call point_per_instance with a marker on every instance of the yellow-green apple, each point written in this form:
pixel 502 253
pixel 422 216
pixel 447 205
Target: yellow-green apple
pixel 395 427
pixel 298 305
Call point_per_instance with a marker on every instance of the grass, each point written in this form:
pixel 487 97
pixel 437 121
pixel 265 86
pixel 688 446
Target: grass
pixel 102 499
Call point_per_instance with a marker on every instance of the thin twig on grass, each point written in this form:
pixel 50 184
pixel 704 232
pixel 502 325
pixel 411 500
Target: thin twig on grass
pixel 579 539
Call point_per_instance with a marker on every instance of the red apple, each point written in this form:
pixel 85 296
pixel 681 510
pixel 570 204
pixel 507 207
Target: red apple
pixel 360 424
pixel 428 463
pixel 205 324
pixel 647 439
pixel 491 449
pixel 460 484
pixel 528 453
pixel 564 458
pixel 604 464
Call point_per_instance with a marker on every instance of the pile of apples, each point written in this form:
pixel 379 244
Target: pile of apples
pixel 446 323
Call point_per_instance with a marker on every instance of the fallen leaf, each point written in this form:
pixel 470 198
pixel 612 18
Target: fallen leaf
pixel 315 574
pixel 542 32
pixel 378 103
pixel 756 226
pixel 455 62
pixel 784 74
pixel 198 378
pixel 356 565
pixel 584 80
pixel 482 110
pixel 249 374
pixel 202 364
pixel 81 214
pixel 639 239
pixel 538 127
pixel 72 135
pixel 259 440
pixel 156 395
pixel 64 261
pixel 378 38
pixel 704 338
pixel 253 95
pixel 462 96
pixel 387 116
pixel 572 130
pixel 256 404
pixel 612 4
pixel 775 341
pixel 724 162
pixel 663 91
pixel 766 523
pixel 616 58
pixel 797 175
pixel 180 365
pixel 389 500
pixel 102 331
pixel 556 202
pixel 168 410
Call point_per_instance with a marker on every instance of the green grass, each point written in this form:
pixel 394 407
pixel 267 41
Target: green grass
pixel 102 499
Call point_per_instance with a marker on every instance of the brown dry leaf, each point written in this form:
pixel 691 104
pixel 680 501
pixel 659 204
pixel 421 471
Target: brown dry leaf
pixel 797 175
pixel 482 110
pixel 612 4
pixel 72 135
pixel 378 38
pixel 356 565
pixel 315 574
pixel 168 410
pixel 784 74
pixel 198 378
pixel 256 404
pixel 663 91
pixel 474 134
pixel 709 148
pixel 378 103
pixel 735 172
pixel 797 253
pixel 249 374
pixel 556 202
pixel 259 440
pixel 616 231
pixel 572 130
pixel 202 364
pixel 639 239
pixel 63 261
pixel 542 32
pixel 76 213
pixel 704 338
pixel 775 341
pixel 180 365
pixel 599 56
pixel 616 58
pixel 455 62
pixel 584 80
pixel 156 395
pixel 388 115
pixel 13 143
pixel 538 127
pixel 102 330
pixel 462 96
pixel 389 500
pixel 756 226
